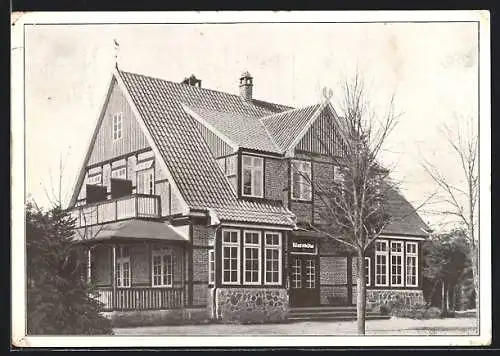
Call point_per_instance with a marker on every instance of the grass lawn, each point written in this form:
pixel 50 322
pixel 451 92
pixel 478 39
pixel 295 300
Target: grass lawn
pixel 393 326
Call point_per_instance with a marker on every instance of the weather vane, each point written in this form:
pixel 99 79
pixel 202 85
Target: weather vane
pixel 327 93
pixel 117 49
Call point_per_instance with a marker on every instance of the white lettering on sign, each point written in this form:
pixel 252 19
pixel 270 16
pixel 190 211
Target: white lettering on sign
pixel 302 245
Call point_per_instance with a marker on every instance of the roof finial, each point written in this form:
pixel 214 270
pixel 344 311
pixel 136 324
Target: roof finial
pixel 327 93
pixel 117 49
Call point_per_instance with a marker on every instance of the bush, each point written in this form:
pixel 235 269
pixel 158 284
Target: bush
pixel 59 300
pixel 401 309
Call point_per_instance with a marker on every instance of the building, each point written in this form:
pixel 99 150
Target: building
pixel 188 207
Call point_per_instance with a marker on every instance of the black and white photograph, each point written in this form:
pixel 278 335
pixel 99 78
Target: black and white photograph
pixel 251 179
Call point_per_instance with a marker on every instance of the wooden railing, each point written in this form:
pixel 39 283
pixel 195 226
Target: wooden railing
pixel 130 206
pixel 140 298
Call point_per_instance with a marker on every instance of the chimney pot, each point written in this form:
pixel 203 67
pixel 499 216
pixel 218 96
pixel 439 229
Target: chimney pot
pixel 246 86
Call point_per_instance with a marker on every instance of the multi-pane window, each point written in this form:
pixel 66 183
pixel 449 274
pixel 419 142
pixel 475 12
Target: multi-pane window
pixel 296 279
pixel 310 274
pixel 211 266
pixel 381 263
pixel 355 270
pixel 122 266
pixel 231 256
pixel 272 254
pixel 251 257
pixel 411 264
pixel 117 126
pixel 252 176
pixel 396 263
pixel 301 180
pixel 368 270
pixel 162 268
pixel 95 179
pixel 119 173
pixel 145 181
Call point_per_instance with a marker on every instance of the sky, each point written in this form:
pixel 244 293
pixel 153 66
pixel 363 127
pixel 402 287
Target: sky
pixel 432 68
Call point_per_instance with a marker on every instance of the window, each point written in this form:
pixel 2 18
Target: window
pixel 296 274
pixel 381 265
pixel 122 266
pixel 310 274
pixel 368 267
pixel 251 257
pixel 301 180
pixel 211 267
pixel 252 176
pixel 355 270
pixel 162 268
pixel 272 255
pixel 411 264
pixel 396 263
pixel 145 182
pixel 231 256
pixel 119 173
pixel 117 126
pixel 95 179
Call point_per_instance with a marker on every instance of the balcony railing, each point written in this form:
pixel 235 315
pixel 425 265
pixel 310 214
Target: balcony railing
pixel 127 207
pixel 140 298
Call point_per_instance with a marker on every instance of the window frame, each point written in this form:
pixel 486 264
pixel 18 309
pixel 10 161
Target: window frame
pixel 399 254
pixel 117 126
pixel 90 179
pixel 238 256
pixel 211 267
pixel 273 247
pixel 257 246
pixel 369 275
pixel 252 167
pixel 162 252
pixel 407 255
pixel 302 181
pixel 386 254
pixel 121 260
pixel 144 172
pixel 119 169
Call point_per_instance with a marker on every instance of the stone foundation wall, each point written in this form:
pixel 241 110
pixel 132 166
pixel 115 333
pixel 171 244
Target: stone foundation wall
pixel 251 305
pixel 376 297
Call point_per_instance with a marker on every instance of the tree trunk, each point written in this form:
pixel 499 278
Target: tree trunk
pixel 475 277
pixel 361 294
pixel 443 297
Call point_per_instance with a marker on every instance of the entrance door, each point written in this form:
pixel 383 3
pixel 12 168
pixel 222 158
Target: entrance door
pixel 304 288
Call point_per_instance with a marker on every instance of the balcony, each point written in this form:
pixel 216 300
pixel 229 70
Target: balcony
pixel 127 207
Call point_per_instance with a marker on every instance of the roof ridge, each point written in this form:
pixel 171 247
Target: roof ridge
pixel 288 111
pixel 202 89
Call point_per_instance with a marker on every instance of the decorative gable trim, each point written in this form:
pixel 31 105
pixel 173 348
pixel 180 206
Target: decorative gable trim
pixel 202 121
pixel 149 138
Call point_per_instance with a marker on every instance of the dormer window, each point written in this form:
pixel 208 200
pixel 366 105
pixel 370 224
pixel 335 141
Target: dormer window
pixel 117 126
pixel 252 176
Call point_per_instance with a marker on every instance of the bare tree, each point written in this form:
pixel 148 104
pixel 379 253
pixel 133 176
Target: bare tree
pixel 354 209
pixel 461 198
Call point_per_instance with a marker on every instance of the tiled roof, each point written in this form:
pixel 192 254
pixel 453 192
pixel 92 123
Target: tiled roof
pixel 245 131
pixel 404 217
pixel 284 127
pixel 186 154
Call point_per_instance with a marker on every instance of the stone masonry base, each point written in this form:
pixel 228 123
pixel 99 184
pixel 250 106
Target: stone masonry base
pixel 251 305
pixel 376 297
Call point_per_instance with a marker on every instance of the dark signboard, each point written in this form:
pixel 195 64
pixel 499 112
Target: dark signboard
pixel 303 246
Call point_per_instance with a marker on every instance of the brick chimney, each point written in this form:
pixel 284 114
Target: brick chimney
pixel 192 80
pixel 246 86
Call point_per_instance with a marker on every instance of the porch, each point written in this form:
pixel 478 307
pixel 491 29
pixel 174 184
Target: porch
pixel 137 265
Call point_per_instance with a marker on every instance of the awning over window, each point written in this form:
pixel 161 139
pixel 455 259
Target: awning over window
pixel 134 229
